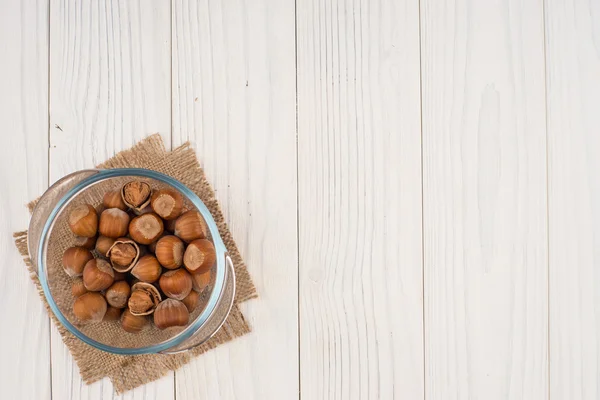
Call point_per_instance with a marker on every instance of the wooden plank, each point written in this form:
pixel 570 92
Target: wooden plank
pixel 25 345
pixel 359 154
pixel 234 98
pixel 573 90
pixel 109 87
pixel 485 222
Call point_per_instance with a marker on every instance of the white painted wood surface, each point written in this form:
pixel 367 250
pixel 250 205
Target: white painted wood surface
pixel 412 183
pixel 484 200
pixel 25 329
pixel 573 90
pixel 359 166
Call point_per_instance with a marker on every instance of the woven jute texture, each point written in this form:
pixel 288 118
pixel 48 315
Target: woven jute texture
pixel 129 372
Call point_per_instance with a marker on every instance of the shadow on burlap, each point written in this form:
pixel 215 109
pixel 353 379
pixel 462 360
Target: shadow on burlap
pixel 129 372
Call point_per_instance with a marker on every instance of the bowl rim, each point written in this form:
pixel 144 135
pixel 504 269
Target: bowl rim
pixel 220 280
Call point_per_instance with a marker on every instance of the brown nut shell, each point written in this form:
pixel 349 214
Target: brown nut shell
pixel 133 323
pixel 169 252
pixel 74 260
pixel 167 203
pixel 144 299
pixel 113 199
pixel 200 256
pixel 191 301
pixel 85 242
pixel 103 244
pixel 90 307
pixel 113 223
pixel 147 269
pixel 191 226
pixel 83 220
pixel 201 281
pixel 122 255
pixel 98 275
pixel 171 313
pixel 112 314
pixel 121 251
pixel 176 284
pixel 78 288
pixel 118 294
pixel 146 228
pixel 136 195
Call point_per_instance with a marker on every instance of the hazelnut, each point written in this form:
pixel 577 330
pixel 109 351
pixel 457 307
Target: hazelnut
pixel 176 284
pixel 199 256
pixel 103 244
pixel 170 225
pixel 133 323
pixel 123 254
pixel 118 294
pixel 113 223
pixel 200 281
pixel 191 301
pixel 146 228
pixel 112 314
pixel 85 242
pixel 167 203
pixel 78 288
pixel 144 299
pixel 83 220
pixel 147 269
pixel 74 260
pixel 171 313
pixel 98 275
pixel 136 195
pixel 191 226
pixel 113 200
pixel 169 252
pixel 140 302
pixel 90 307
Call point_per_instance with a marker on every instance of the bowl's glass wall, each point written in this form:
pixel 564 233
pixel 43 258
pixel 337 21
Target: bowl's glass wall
pixel 56 237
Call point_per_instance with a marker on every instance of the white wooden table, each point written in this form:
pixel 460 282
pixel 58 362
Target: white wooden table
pixel 415 185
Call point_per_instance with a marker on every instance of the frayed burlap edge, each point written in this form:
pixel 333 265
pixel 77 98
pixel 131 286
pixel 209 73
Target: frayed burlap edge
pixel 129 372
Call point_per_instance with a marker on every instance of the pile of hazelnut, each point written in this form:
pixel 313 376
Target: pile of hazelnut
pixel 138 272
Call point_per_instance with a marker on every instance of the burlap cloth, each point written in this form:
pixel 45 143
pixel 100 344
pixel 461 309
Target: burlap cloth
pixel 129 372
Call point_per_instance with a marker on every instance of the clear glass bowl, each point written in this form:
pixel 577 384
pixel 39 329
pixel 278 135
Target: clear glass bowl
pixel 49 236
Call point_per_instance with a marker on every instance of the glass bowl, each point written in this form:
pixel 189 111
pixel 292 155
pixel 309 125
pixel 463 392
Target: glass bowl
pixel 49 236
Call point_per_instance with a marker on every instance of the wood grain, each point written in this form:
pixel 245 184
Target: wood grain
pixel 25 344
pixel 109 87
pixel 234 99
pixel 485 226
pixel 359 200
pixel 573 87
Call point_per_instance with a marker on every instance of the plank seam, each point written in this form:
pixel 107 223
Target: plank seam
pixel 297 200
pixel 422 208
pixel 48 179
pixel 548 370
